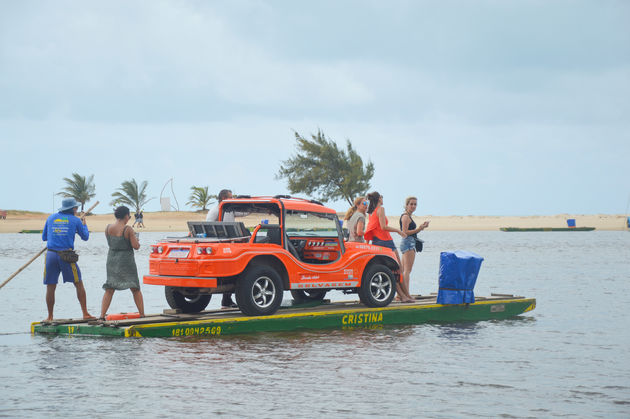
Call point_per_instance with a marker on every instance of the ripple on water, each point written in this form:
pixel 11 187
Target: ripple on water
pixel 566 358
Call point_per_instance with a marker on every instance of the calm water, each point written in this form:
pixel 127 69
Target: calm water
pixel 569 357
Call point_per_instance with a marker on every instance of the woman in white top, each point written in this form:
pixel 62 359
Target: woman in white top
pixel 355 218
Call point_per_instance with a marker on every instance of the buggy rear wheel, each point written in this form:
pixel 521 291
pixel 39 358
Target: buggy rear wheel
pixel 259 291
pixel 187 302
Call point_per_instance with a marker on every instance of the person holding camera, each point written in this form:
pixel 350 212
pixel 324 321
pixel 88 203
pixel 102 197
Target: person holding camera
pixel 408 244
pixel 121 269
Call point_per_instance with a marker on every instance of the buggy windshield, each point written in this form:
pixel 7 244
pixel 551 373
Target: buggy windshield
pixel 300 223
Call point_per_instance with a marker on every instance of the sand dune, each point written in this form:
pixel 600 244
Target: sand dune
pixel 176 221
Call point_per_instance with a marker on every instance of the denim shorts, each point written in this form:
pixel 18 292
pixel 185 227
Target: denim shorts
pixel 384 243
pixel 407 244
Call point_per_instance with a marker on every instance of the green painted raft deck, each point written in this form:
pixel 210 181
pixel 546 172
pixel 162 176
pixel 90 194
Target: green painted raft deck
pixel 337 315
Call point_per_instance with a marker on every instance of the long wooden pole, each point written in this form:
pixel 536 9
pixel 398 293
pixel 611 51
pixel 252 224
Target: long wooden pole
pixel 37 255
pixel 22 268
pixel 91 208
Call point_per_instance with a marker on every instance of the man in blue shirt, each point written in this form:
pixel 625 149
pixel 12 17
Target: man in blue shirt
pixel 59 232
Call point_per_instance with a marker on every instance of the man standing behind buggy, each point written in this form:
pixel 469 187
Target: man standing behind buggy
pixel 59 232
pixel 213 215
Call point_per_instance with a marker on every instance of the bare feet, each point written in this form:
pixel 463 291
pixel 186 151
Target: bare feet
pixel 88 316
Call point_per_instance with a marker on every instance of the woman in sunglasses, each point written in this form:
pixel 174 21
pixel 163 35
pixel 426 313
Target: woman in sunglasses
pixel 378 232
pixel 408 244
pixel 355 218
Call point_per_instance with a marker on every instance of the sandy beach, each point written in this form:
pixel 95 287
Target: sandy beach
pixel 17 221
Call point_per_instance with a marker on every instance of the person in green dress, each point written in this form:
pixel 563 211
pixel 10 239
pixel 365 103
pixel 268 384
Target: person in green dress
pixel 122 272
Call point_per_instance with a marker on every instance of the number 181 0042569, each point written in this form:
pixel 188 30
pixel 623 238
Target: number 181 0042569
pixel 197 331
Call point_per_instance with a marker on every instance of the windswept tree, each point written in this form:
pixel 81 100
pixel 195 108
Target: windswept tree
pixel 200 198
pixel 80 188
pixel 320 167
pixel 131 194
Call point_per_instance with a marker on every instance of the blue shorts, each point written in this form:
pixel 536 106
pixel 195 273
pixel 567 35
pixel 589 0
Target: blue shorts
pixel 384 243
pixel 407 244
pixel 55 266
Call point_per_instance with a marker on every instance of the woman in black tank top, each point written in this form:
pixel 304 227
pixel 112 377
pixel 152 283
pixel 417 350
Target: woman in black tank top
pixel 408 244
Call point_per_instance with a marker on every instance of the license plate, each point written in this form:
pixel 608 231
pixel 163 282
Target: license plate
pixel 178 253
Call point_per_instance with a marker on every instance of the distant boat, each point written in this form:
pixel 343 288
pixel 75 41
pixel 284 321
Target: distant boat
pixel 512 229
pixel 31 231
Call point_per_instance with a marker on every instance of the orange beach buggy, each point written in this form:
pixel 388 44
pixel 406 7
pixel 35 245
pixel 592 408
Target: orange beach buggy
pixel 297 246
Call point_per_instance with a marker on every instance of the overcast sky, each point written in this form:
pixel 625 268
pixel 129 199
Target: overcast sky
pixel 476 107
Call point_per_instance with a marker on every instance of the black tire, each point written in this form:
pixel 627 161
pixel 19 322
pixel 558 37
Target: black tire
pixel 259 291
pixel 301 296
pixel 187 303
pixel 378 286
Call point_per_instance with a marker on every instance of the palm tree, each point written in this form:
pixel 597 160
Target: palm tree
pixel 199 197
pixel 131 194
pixel 80 188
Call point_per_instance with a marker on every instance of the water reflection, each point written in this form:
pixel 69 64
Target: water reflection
pixel 456 332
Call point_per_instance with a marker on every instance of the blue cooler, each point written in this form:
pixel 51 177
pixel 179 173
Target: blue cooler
pixel 458 275
pixel 571 222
